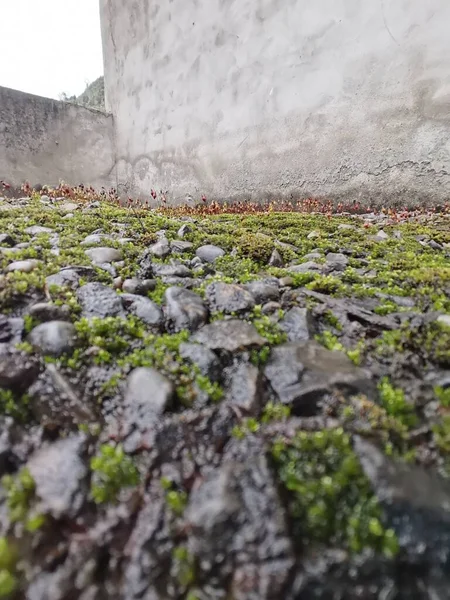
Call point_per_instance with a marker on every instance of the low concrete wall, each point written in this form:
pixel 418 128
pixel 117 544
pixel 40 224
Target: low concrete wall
pixel 237 98
pixel 44 141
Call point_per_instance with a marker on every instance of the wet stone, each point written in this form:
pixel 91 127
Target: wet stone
pixel 229 297
pixel 98 300
pixel 209 253
pixel 231 336
pixel 185 309
pixel 54 338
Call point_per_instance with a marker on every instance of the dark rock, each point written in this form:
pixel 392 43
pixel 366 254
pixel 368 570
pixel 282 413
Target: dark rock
pixel 232 336
pixel 263 291
pixel 11 329
pixel 184 309
pixel 181 246
pixel 209 253
pixel 54 338
pixel 17 371
pixel 302 373
pixel 243 383
pixel 435 245
pixel 138 286
pixel 98 300
pixel 161 249
pixel 59 472
pixel 416 503
pixel 270 307
pixel 7 240
pixel 145 265
pixel 143 308
pixel 55 401
pixel 229 297
pixel 70 277
pixel 236 522
pixel 102 255
pixel 298 324
pixel 276 260
pixel 173 270
pixel 203 358
pixel 44 311
pixel 147 396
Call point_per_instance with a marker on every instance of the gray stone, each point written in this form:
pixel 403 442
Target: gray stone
pixel 143 308
pixel 306 267
pixel 312 256
pixel 302 373
pixel 203 358
pixel 229 297
pixel 25 266
pixel 173 270
pixel 95 238
pixel 98 300
pixel 11 329
pixel 263 291
pixel 104 255
pixel 297 323
pixel 161 249
pixel 313 234
pixel 181 246
pixel 435 245
pixel 147 396
pixel 184 229
pixel 38 230
pixel 382 235
pixel 53 338
pixel 45 311
pixel 336 261
pixel 209 253
pixel 232 336
pixel 60 473
pixel 185 309
pixel 276 259
pixel 243 385
pixel 6 240
pixel 138 286
pixel 66 278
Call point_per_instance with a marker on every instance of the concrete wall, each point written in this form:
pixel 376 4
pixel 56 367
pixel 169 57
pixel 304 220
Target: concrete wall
pixel 340 98
pixel 43 141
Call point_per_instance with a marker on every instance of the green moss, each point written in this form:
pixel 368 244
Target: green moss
pixel 394 402
pixel 183 566
pixel 8 561
pixel 275 411
pixel 330 341
pixel 112 471
pixel 256 246
pixel 443 395
pixel 213 389
pixel 261 356
pixel 248 426
pixel 13 405
pixel 330 499
pixel 326 284
pixel 157 295
pixel 176 499
pixel 20 493
pixel 267 328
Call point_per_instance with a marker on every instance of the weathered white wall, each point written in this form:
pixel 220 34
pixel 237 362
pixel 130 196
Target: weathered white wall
pixel 43 141
pixel 340 98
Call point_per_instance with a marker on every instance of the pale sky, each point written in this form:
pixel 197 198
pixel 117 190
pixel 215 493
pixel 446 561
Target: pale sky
pixel 50 46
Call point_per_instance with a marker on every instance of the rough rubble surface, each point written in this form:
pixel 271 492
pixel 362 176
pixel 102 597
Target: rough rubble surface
pixel 201 405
